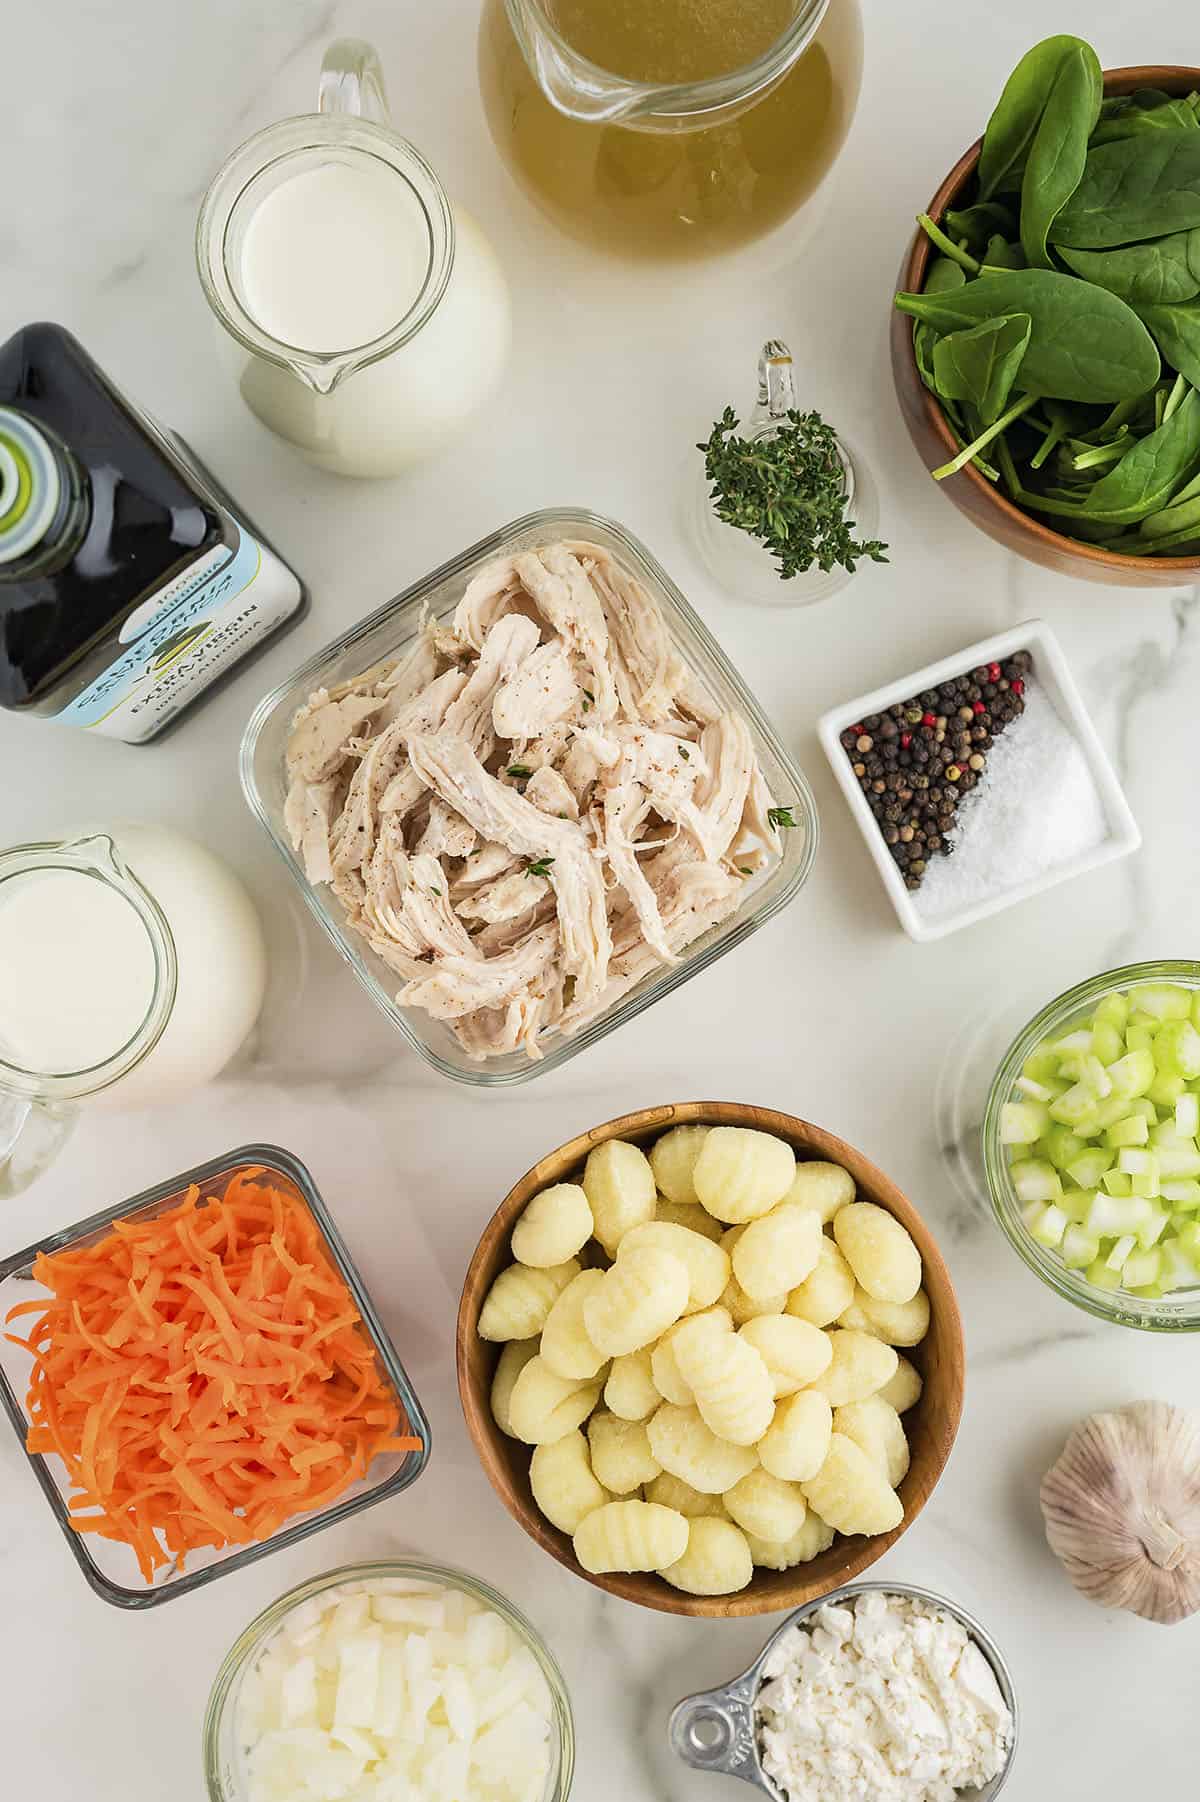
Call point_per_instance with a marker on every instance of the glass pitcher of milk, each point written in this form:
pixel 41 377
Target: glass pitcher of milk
pixel 132 967
pixel 366 318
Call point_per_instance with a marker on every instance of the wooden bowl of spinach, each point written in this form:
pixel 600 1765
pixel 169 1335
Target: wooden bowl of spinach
pixel 1046 339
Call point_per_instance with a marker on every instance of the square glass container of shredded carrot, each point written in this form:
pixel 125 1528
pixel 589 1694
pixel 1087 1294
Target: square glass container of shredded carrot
pixel 204 1375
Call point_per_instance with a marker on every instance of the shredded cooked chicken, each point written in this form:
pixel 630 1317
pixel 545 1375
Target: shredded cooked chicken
pixel 537 808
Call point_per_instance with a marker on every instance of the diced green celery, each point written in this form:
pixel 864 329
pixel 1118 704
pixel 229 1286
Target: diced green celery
pixel 1035 1180
pixel 1196 1008
pixel 1095 1077
pixel 1132 1130
pixel 1034 1091
pixel 1177 1050
pixel 1179 1159
pixel 1061 1145
pixel 1109 1216
pixel 1088 1168
pixel 1070 1069
pixel 1134 1160
pixel 1075 1203
pixel 1141 1269
pixel 1147 1186
pixel 1073 1044
pixel 1079 1248
pixel 1108 1042
pixel 1121 1250
pixel 1112 1011
pixel 1042 1064
pixel 1166 1089
pixel 1021 1122
pixel 1050 1226
pixel 1132 1074
pixel 1178 1267
pixel 1183 1193
pixel 1139 1036
pixel 1165 1132
pixel 1162 1001
pixel 1073 1107
pixel 1101 1277
pixel 1116 1183
pixel 1105 1113
pixel 1187 1115
pixel 1142 1104
pixel 1189 1239
pixel 1152 1229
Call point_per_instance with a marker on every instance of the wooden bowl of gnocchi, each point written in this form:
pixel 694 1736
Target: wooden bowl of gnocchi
pixel 711 1359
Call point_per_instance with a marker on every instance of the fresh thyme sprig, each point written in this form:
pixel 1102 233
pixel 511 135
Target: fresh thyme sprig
pixel 788 490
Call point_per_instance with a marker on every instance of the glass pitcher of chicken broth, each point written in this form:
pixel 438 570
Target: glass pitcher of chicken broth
pixel 670 128
pixel 365 317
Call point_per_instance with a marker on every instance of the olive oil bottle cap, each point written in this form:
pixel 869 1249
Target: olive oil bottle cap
pixel 31 485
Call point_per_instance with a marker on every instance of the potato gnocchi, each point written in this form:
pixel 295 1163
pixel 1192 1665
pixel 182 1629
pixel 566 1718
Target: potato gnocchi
pixel 629 1536
pixel 555 1226
pixel 699 1344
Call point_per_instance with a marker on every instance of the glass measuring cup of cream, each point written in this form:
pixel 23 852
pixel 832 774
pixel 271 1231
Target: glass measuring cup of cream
pixel 132 967
pixel 365 317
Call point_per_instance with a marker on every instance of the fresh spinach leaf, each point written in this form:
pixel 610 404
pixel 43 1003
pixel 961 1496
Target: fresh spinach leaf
pixel 980 223
pixel 1136 188
pixel 1085 344
pixel 943 275
pixel 1176 331
pixel 1167 269
pixel 1058 153
pixel 1000 254
pixel 1018 113
pixel 981 365
pixel 1181 516
pixel 1158 112
pixel 1145 479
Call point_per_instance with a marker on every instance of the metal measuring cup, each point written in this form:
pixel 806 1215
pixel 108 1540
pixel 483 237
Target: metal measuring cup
pixel 716 1730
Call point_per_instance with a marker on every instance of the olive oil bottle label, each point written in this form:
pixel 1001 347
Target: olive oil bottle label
pixel 184 638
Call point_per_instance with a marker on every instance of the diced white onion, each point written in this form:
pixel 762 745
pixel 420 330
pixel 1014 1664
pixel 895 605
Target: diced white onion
pixel 400 1691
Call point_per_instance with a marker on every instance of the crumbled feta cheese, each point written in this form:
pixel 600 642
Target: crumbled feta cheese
pixel 887 1700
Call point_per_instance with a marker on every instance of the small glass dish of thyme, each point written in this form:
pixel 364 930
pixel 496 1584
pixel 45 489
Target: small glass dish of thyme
pixel 785 511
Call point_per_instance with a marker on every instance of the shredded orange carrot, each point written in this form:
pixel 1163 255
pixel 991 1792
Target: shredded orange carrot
pixel 204 1376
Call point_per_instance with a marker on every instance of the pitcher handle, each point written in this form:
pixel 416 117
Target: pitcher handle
pixel 352 81
pixel 32 1133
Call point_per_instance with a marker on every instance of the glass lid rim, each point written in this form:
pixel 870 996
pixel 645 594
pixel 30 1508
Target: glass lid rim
pixel 324 132
pixel 683 99
pixel 56 855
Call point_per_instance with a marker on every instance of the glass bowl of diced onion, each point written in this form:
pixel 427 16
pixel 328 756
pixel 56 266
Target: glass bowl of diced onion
pixel 398 1681
pixel 1091 1143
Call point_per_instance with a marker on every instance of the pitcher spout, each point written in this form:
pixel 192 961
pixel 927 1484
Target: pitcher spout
pixel 570 83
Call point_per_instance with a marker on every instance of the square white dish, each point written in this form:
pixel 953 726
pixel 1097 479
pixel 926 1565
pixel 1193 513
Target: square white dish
pixel 1052 672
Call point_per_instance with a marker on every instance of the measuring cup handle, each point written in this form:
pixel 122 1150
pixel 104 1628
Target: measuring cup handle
pixel 714 1731
pixel 352 81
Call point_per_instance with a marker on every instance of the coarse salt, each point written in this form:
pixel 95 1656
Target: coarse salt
pixel 1036 806
pixel 887 1700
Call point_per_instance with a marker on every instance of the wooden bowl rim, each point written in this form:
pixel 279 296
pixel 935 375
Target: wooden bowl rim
pixel 644 1588
pixel 1170 77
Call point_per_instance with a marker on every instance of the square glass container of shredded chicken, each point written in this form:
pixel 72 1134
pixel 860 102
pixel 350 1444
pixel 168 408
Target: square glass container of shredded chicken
pixel 529 797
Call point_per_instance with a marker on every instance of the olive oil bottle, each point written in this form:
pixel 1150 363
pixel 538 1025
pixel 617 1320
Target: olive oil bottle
pixel 128 584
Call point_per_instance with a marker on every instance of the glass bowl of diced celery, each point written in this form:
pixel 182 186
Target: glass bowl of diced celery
pixel 398 1681
pixel 1091 1143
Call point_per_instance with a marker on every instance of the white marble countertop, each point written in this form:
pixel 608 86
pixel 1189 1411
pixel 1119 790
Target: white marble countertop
pixel 118 118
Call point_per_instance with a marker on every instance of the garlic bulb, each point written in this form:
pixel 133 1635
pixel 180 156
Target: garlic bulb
pixel 1122 1510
